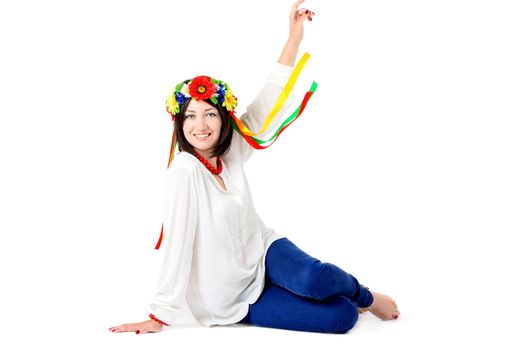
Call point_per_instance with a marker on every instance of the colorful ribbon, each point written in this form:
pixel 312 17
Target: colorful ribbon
pixel 257 143
pixel 172 151
pixel 281 99
pixel 160 238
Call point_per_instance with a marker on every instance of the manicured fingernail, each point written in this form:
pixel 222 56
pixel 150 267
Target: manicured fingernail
pixel 307 11
pixel 137 332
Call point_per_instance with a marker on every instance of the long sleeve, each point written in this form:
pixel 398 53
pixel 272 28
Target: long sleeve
pixel 260 108
pixel 180 224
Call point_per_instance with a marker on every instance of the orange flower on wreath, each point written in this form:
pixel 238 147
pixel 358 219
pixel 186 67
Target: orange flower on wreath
pixel 201 88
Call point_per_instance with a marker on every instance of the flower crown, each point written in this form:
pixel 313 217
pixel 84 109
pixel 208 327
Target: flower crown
pixel 200 88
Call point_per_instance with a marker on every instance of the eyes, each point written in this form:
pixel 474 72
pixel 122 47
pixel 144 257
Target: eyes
pixel 210 114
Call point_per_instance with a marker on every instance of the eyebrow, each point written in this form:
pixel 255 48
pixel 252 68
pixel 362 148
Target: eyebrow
pixel 209 109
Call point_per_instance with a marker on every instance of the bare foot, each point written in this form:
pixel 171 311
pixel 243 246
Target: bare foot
pixel 383 307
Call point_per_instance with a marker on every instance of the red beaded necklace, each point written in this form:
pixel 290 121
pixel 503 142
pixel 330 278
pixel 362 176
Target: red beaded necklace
pixel 216 171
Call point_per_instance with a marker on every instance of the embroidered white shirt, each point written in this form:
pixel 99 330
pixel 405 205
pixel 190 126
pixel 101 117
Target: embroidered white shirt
pixel 214 246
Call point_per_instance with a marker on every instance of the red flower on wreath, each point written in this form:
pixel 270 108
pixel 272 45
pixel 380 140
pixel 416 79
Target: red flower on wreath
pixel 201 88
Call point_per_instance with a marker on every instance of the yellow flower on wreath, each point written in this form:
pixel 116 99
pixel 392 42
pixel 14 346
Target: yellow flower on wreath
pixel 172 104
pixel 230 101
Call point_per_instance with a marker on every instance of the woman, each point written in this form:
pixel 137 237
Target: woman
pixel 218 256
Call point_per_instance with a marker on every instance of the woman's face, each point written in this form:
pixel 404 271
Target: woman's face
pixel 202 119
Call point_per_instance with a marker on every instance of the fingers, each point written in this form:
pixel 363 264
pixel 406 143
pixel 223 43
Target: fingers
pixel 296 5
pixel 297 13
pixel 310 14
pixel 127 327
pixel 304 13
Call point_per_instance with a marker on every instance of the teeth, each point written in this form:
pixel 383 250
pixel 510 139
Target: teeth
pixel 200 136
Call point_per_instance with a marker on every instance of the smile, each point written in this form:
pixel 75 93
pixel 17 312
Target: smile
pixel 202 136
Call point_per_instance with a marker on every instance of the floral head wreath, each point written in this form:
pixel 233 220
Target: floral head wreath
pixel 201 87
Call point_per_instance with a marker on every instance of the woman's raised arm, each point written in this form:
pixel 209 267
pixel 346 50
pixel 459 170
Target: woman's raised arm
pixel 259 109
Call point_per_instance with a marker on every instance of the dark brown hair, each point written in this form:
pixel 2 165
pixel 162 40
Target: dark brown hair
pixel 226 130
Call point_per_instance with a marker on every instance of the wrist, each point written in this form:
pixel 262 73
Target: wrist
pixel 153 318
pixel 294 40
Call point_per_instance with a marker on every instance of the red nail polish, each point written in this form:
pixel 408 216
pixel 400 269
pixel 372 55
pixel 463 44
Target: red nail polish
pixel 307 11
pixel 137 332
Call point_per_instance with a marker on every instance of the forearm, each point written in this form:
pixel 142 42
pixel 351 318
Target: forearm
pixel 289 52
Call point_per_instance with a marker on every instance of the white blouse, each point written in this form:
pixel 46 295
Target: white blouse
pixel 214 245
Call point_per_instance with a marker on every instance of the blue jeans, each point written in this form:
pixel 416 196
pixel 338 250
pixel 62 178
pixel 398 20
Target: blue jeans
pixel 304 294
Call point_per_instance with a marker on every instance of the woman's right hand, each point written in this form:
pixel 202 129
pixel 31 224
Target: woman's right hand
pixel 149 326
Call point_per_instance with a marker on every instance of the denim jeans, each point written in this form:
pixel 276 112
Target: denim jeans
pixel 304 294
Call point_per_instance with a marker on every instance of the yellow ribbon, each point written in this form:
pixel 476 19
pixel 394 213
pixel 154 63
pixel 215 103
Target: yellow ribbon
pixel 281 99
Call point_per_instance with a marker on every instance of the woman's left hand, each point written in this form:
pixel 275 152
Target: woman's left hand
pixel 149 326
pixel 296 21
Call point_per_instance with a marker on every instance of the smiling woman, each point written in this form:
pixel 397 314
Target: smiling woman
pixel 218 256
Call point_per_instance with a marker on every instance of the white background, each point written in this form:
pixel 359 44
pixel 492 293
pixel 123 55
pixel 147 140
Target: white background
pixel 405 169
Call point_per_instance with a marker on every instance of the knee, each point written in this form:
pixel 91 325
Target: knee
pixel 343 317
pixel 315 281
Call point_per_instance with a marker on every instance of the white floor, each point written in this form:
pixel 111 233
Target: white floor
pixel 412 331
pixel 442 330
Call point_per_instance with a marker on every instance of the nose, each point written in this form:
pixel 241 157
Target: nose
pixel 201 123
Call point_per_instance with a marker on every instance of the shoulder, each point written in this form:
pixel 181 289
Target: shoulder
pixel 183 167
pixel 185 161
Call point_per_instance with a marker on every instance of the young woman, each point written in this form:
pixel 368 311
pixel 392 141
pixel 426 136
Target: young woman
pixel 219 258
